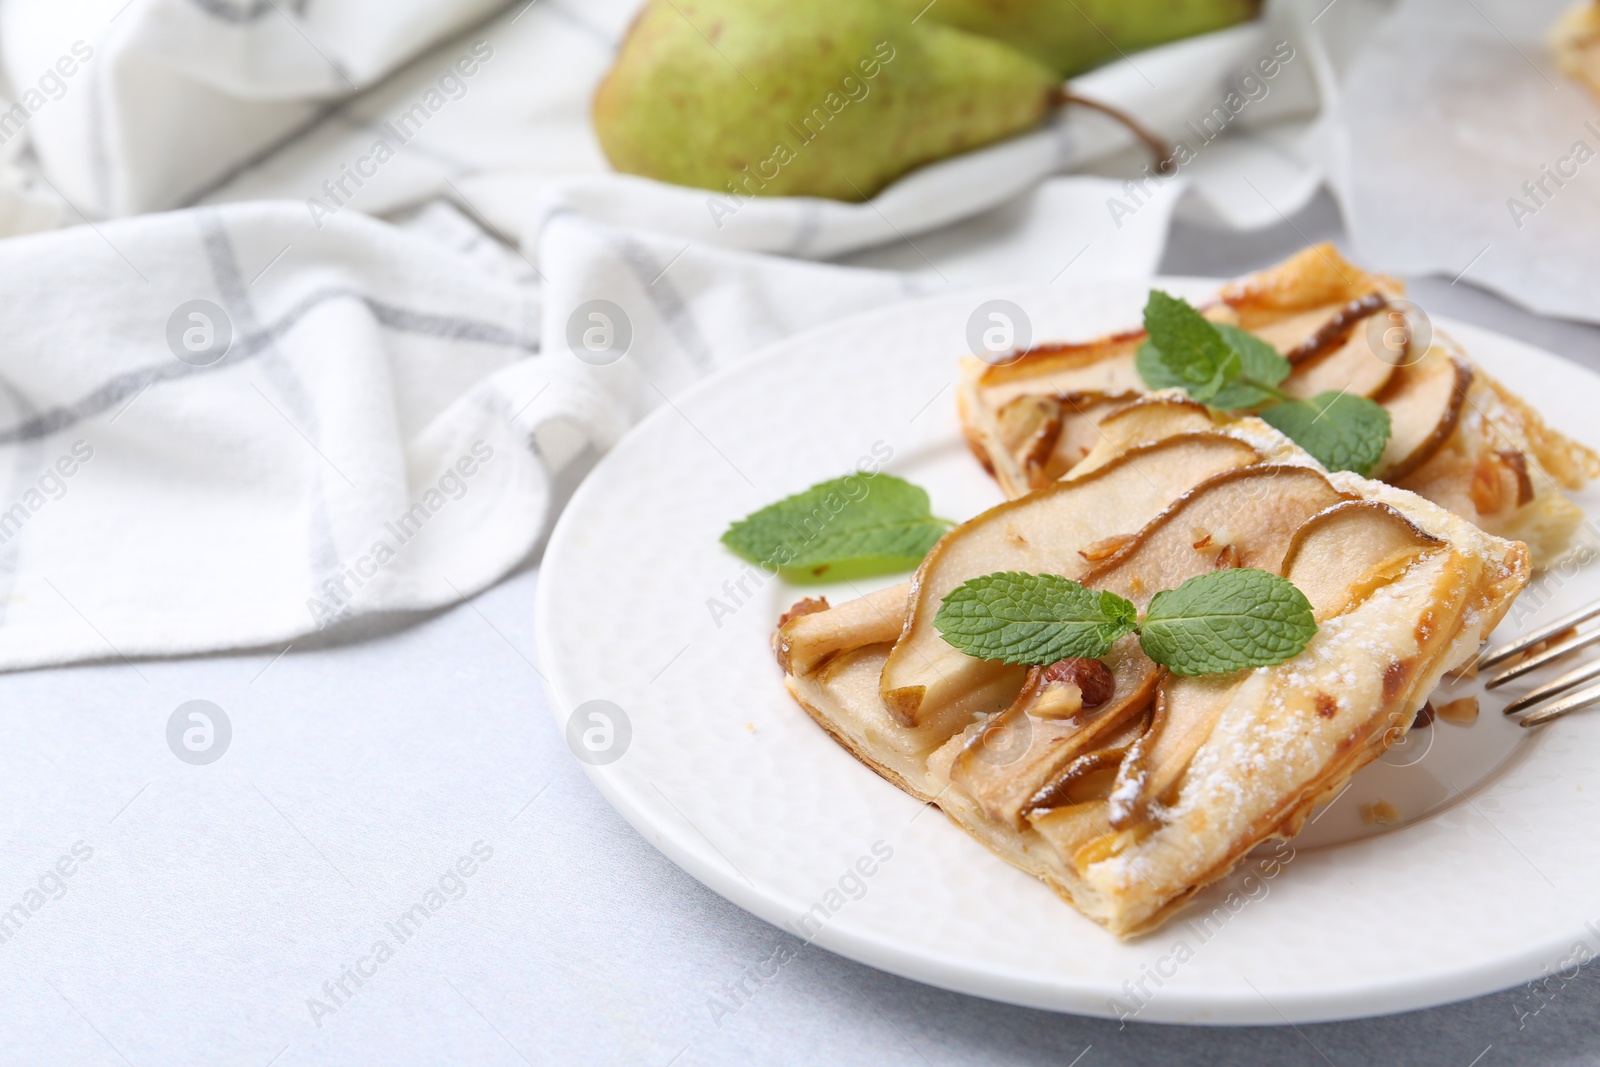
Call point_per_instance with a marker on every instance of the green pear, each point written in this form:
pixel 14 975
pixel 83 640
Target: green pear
pixel 829 98
pixel 1074 35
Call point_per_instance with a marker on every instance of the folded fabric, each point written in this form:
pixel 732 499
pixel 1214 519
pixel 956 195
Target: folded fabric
pixel 236 425
pixel 226 427
pixel 139 106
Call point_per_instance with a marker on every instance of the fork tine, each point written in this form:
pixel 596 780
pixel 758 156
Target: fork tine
pixel 1581 699
pixel 1572 644
pixel 1526 641
pixel 1551 688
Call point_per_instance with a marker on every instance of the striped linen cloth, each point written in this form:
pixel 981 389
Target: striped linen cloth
pixel 267 414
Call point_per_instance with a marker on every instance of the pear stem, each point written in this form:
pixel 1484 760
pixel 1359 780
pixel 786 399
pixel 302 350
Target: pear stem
pixel 1159 149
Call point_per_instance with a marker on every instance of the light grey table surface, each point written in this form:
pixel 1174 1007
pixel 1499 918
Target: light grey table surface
pixel 219 899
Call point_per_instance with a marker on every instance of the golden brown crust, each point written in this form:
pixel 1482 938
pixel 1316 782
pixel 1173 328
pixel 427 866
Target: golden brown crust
pixel 850 745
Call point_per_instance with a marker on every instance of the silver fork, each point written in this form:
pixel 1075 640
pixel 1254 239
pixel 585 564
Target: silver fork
pixel 1572 701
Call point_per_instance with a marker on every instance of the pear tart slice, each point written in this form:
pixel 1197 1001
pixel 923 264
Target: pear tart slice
pixel 1124 787
pixel 1458 437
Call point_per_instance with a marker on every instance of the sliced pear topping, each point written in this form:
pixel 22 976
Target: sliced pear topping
pixel 806 637
pixel 1089 777
pixel 1028 428
pixel 1048 435
pixel 1352 367
pixel 1004 762
pixel 1337 558
pixel 1255 510
pixel 1336 329
pixel 1104 366
pixel 1081 415
pixel 1142 422
pixel 1041 533
pixel 1288 333
pixel 1424 402
pixel 1185 711
pixel 1262 505
pixel 1342 555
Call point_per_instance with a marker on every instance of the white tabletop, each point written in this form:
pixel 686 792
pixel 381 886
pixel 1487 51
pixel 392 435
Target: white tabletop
pixel 231 912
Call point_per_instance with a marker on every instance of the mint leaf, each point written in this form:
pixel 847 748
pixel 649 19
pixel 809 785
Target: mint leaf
pixel 1032 618
pixel 1342 432
pixel 869 522
pixel 1226 621
pixel 1184 349
pixel 1152 367
pixel 1259 362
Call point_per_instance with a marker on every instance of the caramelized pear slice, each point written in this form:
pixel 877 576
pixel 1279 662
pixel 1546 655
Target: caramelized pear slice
pixel 1424 402
pixel 1043 532
pixel 1028 427
pixel 1336 329
pixel 1048 435
pixel 1289 333
pixel 1352 367
pixel 1262 507
pixel 1337 558
pixel 1101 366
pixel 1004 762
pixel 804 641
pixel 1185 711
pixel 1089 777
pixel 1081 415
pixel 1341 555
pixel 1241 518
pixel 1142 422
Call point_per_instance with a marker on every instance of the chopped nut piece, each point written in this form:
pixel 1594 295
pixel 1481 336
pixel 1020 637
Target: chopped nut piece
pixel 1463 712
pixel 1060 701
pixel 1380 812
pixel 1091 676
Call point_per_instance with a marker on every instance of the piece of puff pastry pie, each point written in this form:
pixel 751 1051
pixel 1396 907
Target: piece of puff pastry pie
pixel 1123 785
pixel 1459 438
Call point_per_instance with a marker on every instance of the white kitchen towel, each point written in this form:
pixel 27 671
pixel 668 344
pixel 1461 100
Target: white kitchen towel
pixel 237 425
pixel 223 427
pixel 227 427
pixel 138 105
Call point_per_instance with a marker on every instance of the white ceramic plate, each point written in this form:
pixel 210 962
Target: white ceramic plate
pixel 1492 876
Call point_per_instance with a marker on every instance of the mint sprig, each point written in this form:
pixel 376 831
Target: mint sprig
pixel 851 526
pixel 1032 618
pixel 1211 624
pixel 1232 369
